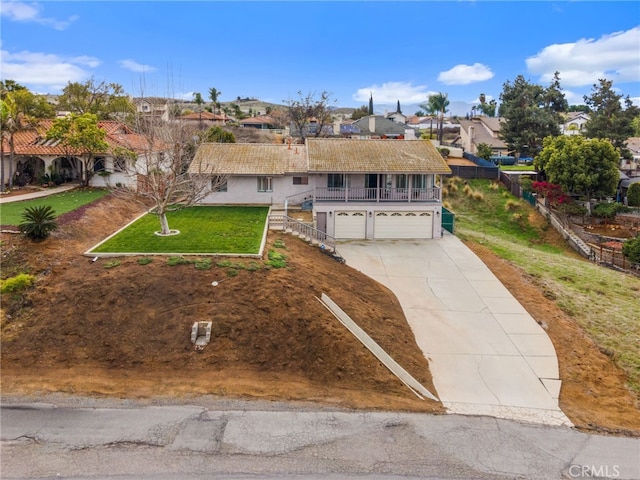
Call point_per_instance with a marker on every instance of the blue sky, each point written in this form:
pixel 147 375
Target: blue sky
pixel 402 50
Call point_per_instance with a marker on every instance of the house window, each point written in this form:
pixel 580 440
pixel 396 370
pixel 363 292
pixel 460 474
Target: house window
pixel 98 164
pixel 336 180
pixel 219 184
pixel 301 180
pixel 265 184
pixel 402 181
pixel 419 181
pixel 119 164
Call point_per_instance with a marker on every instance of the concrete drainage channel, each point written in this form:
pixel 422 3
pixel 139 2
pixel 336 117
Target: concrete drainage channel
pixel 405 377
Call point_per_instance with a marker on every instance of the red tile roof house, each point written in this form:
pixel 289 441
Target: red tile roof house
pixel 359 189
pixel 35 156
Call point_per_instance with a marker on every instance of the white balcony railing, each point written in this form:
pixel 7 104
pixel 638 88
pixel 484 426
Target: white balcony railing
pixel 328 194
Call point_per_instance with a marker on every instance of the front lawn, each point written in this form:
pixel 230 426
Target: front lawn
pixel 11 213
pixel 203 229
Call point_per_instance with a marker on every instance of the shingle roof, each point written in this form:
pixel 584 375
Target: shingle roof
pixel 249 159
pixel 374 156
pixel 320 155
pixel 382 125
pixel 480 133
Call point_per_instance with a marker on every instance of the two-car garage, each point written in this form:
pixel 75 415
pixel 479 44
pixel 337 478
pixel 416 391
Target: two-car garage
pixel 403 225
pixel 383 224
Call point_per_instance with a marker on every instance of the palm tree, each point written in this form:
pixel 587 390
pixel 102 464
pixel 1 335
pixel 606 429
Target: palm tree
pixel 438 103
pixel 213 95
pixel 197 97
pixel 433 107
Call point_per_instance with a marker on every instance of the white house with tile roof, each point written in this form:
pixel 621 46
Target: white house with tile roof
pixel 35 155
pixel 359 189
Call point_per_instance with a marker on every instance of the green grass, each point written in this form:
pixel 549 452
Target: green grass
pixel 603 302
pixel 202 230
pixel 518 168
pixel 11 213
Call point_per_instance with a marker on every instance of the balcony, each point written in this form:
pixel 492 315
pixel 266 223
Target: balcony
pixel 375 195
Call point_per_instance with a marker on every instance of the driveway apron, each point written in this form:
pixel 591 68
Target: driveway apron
pixel 487 355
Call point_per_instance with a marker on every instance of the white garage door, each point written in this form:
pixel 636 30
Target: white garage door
pixel 403 225
pixel 350 225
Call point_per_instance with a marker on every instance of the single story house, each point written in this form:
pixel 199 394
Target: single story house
pixel 358 189
pixel 261 122
pixel 377 127
pixel 35 156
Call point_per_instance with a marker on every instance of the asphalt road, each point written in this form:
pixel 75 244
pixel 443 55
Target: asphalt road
pixel 242 440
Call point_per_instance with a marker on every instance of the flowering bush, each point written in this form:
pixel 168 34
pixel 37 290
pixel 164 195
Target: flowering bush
pixel 552 192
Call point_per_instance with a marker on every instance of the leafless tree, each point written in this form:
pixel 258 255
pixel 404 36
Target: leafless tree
pixel 158 170
pixel 306 109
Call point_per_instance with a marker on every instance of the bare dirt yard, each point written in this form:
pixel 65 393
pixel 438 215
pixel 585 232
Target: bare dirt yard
pixel 124 332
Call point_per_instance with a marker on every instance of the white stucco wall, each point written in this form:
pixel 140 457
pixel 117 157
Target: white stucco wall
pixel 244 190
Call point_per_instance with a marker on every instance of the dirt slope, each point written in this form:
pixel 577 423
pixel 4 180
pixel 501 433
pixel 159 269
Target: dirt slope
pixel 124 331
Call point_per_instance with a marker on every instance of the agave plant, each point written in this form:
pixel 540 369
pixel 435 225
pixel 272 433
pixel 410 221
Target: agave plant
pixel 38 222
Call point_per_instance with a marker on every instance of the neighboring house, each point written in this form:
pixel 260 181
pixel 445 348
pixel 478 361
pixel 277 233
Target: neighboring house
pixel 153 107
pixel 374 127
pixel 479 130
pixel 574 123
pixel 311 129
pixel 632 167
pixel 397 117
pixel 206 118
pixel 429 123
pixel 36 156
pixel 359 189
pixel 261 122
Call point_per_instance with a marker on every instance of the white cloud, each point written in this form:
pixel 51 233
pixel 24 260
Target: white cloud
pixel 45 69
pixel 135 66
pixel 185 95
pixel 32 12
pixel 466 74
pixel 615 57
pixel 389 93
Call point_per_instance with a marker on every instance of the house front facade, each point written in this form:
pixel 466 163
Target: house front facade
pixel 357 189
pixel 38 160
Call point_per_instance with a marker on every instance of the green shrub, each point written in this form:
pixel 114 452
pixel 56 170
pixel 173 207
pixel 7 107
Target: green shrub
pixel 526 183
pixel 112 264
pixel 631 249
pixel 203 264
pixel 173 261
pixel 38 222
pixel 608 210
pixel 17 283
pixel 145 261
pixel 633 195
pixel 276 259
pixel 279 243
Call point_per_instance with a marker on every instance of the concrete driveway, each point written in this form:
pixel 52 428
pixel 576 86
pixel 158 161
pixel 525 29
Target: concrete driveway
pixel 487 355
